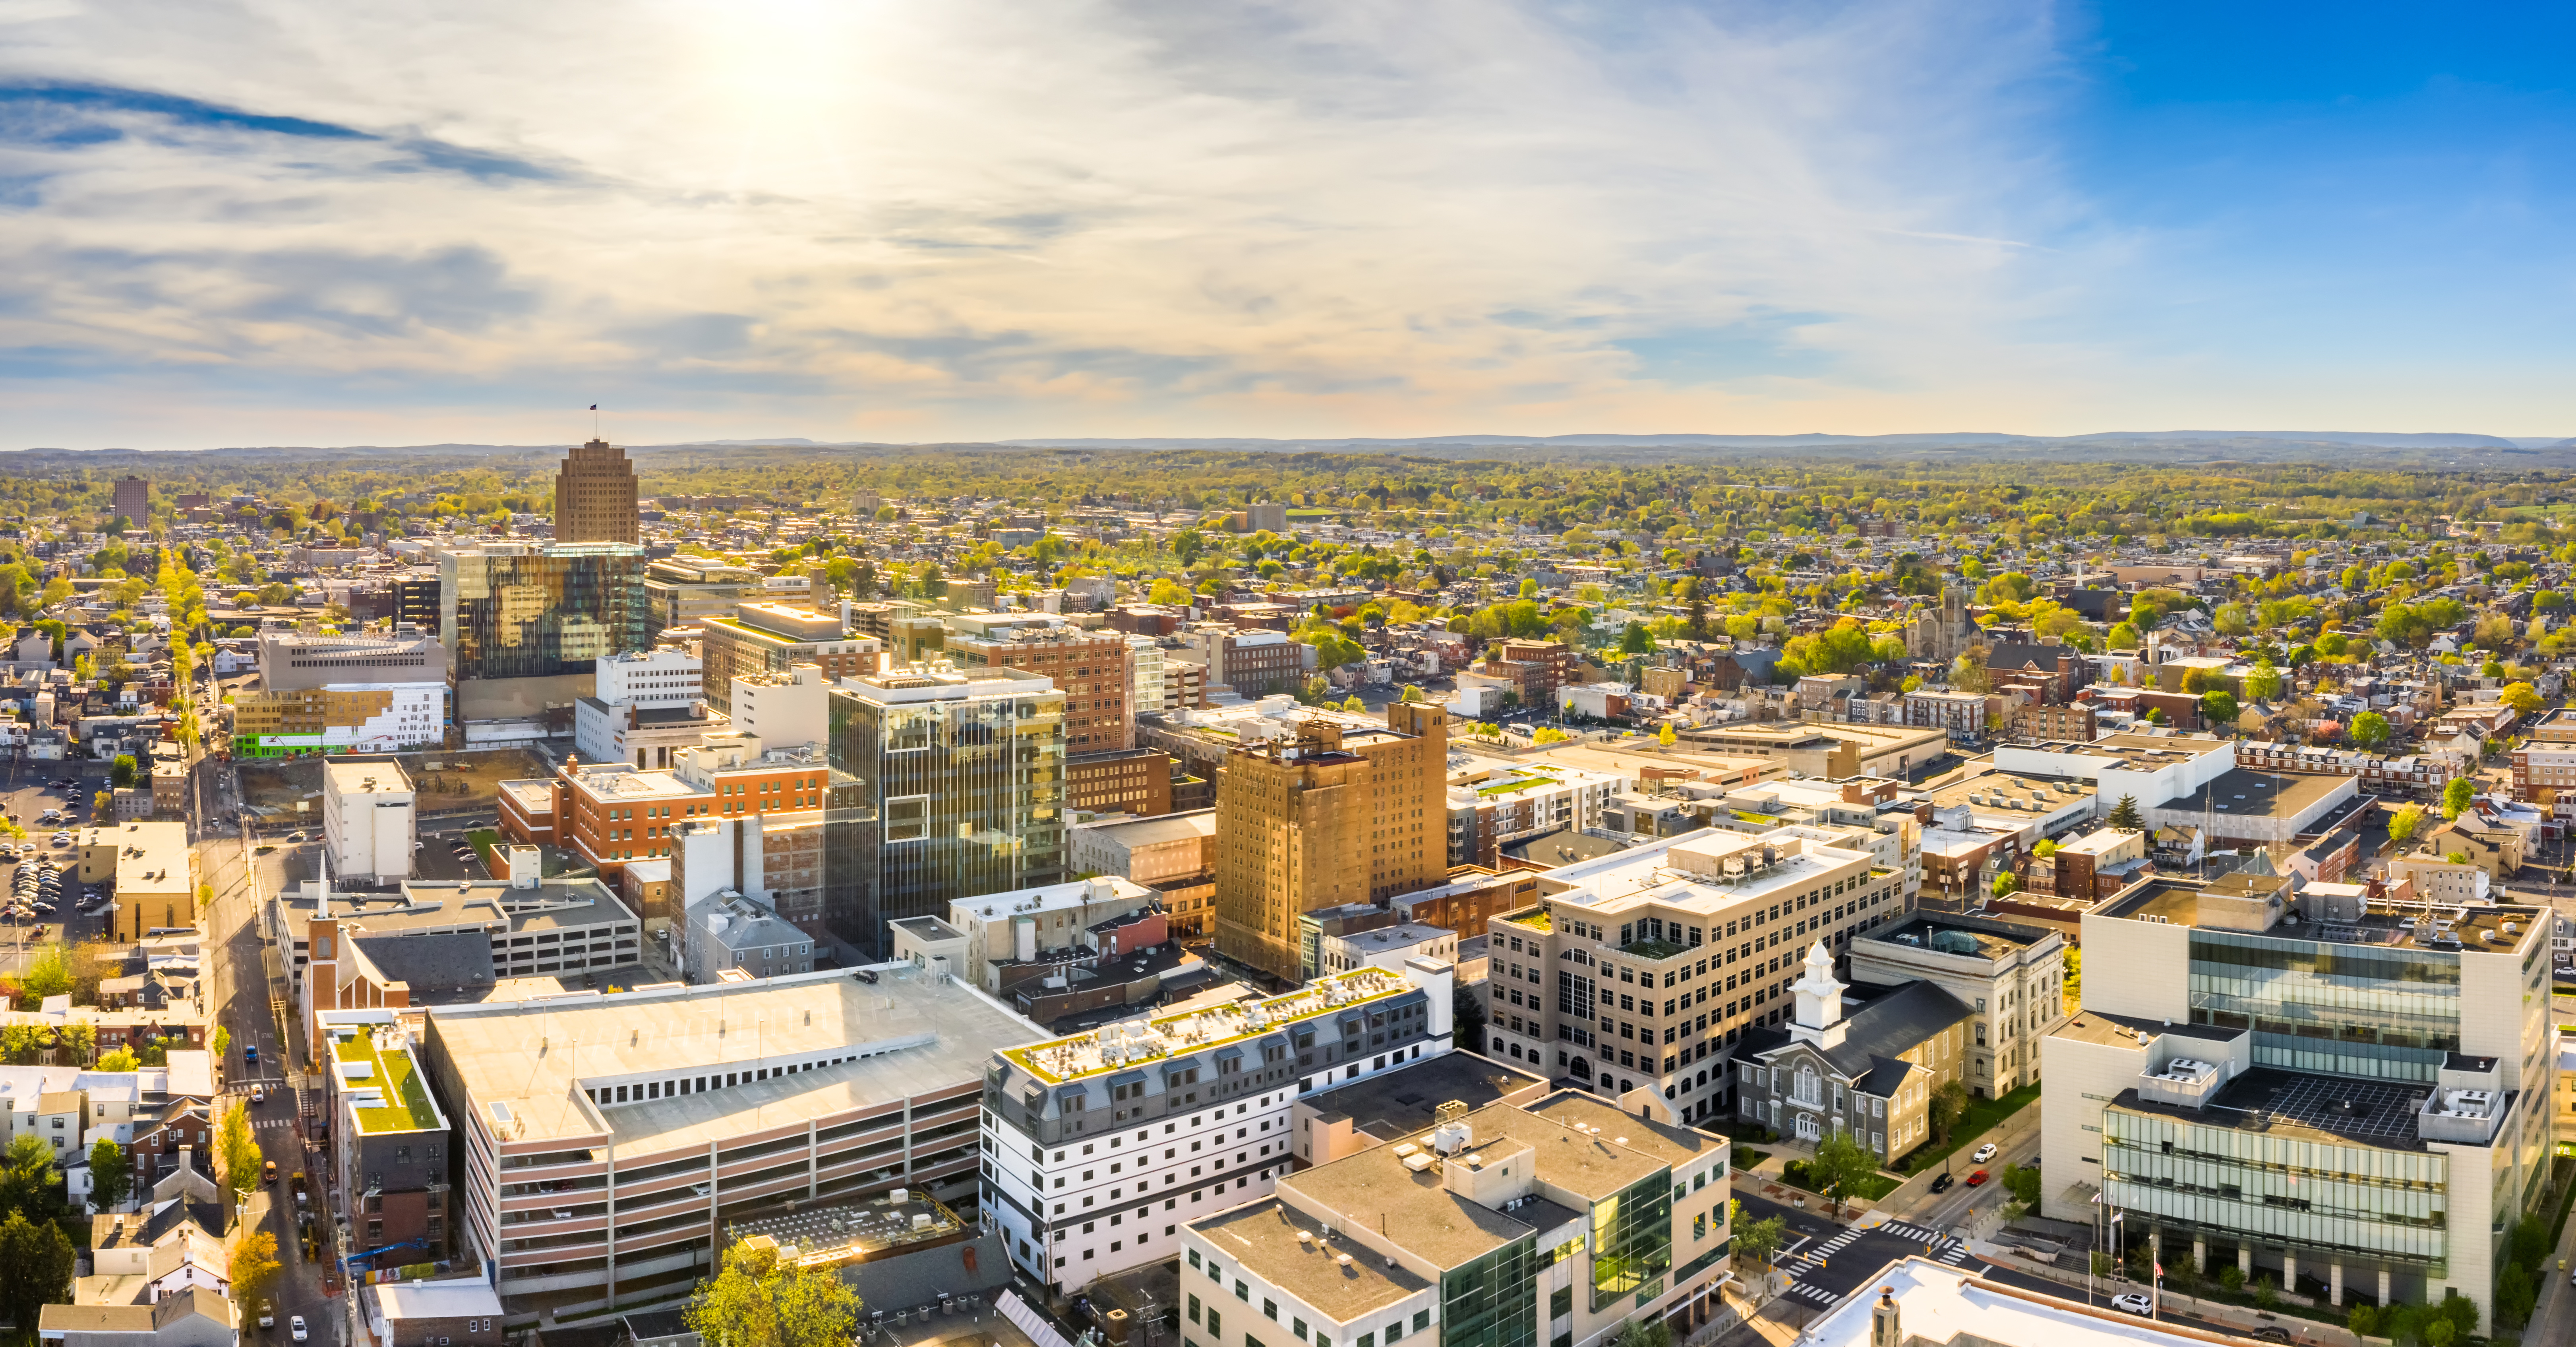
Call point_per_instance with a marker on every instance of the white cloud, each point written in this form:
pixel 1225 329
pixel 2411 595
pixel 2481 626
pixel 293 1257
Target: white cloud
pixel 976 219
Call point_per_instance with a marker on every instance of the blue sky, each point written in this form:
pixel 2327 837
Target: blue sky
pixel 290 223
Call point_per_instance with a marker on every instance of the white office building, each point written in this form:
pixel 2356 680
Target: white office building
pixel 651 678
pixel 368 816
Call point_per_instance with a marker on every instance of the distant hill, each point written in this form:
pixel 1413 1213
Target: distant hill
pixel 2353 448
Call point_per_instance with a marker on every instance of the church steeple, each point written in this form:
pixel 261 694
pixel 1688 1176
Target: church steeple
pixel 1820 1000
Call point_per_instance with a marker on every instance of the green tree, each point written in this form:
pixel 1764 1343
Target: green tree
pixel 1169 594
pixel 237 1157
pixel 757 1300
pixel 2126 817
pixel 2404 824
pixel 2218 709
pixel 1644 1333
pixel 2457 796
pixel 35 1267
pixel 1634 640
pixel 2006 882
pixel 1840 1165
pixel 120 1059
pixel 1948 1104
pixel 50 974
pixel 1411 693
pixel 2522 697
pixel 1757 1242
pixel 120 773
pixel 1665 735
pixel 2369 730
pixel 221 1041
pixel 2264 683
pixel 110 1174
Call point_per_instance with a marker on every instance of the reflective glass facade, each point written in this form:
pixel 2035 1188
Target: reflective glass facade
pixel 2229 1184
pixel 2347 1010
pixel 1632 1241
pixel 541 612
pixel 932 801
pixel 1492 1301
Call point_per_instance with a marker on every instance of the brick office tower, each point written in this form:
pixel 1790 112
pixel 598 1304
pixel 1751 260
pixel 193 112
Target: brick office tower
pixel 595 496
pixel 1337 816
pixel 134 499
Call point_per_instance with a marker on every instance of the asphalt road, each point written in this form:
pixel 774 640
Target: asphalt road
pixel 1829 1261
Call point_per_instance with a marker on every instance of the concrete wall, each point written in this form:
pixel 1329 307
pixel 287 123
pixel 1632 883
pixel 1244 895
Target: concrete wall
pixel 2079 1077
pixel 2137 968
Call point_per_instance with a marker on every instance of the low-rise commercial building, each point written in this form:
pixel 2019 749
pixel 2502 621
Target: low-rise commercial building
pixel 154 871
pixel 610 1142
pixel 1561 1221
pixel 2012 977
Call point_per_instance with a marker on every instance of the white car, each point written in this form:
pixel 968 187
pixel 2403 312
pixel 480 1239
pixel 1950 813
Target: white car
pixel 1984 1153
pixel 2132 1303
pixel 295 1328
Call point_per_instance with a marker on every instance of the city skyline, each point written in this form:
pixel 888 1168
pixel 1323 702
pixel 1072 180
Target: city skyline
pixel 318 226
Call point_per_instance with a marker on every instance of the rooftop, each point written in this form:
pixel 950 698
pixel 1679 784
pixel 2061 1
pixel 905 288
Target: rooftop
pixel 1264 1234
pixel 2242 792
pixel 2477 928
pixel 828 1236
pixel 921 1034
pixel 1400 1103
pixel 387 1074
pixel 2299 1106
pixel 1117 1045
pixel 365 778
pixel 1937 1303
pixel 1988 939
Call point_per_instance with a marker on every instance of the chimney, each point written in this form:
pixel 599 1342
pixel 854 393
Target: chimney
pixel 526 867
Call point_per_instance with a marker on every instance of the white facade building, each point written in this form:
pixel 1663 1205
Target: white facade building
pixel 368 821
pixel 1144 675
pixel 784 710
pixel 651 678
pixel 1099 1148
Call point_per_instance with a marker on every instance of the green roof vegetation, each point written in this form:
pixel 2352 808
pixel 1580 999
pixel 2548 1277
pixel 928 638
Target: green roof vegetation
pixel 407 1107
pixel 1507 787
pixel 1537 919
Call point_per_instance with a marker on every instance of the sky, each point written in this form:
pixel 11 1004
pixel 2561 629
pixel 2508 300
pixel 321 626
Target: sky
pixel 258 222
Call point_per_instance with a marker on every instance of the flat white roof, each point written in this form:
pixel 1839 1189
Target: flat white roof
pixel 1939 1303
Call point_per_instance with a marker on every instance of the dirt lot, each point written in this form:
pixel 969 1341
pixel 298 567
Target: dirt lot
pixel 447 781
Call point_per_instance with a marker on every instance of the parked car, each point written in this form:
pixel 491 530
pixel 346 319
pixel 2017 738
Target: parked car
pixel 2270 1333
pixel 1976 1178
pixel 1984 1153
pixel 1941 1183
pixel 2133 1303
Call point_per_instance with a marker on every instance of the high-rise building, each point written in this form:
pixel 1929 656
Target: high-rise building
pixel 1091 667
pixel 762 638
pixel 1332 816
pixel 945 784
pixel 595 496
pixel 292 661
pixel 526 626
pixel 2337 1092
pixel 133 499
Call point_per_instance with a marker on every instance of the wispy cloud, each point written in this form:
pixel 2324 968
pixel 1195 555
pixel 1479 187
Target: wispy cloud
pixel 973 218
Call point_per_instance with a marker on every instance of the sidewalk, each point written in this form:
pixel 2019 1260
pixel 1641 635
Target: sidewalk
pixel 1917 1191
pixel 2235 1316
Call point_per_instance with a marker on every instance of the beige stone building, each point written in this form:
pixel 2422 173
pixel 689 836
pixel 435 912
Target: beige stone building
pixel 1333 816
pixel 154 870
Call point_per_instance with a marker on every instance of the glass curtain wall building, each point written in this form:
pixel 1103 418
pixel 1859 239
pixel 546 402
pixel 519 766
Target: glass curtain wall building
pixel 2347 1096
pixel 525 625
pixel 945 785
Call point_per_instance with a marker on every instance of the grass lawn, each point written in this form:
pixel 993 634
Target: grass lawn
pixel 1981 1117
pixel 485 841
pixel 1869 1189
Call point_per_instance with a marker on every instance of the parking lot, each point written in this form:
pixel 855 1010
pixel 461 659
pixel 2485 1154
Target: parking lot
pixel 28 790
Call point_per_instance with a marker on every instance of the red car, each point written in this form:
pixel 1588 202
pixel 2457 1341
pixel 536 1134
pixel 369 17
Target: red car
pixel 1976 1178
